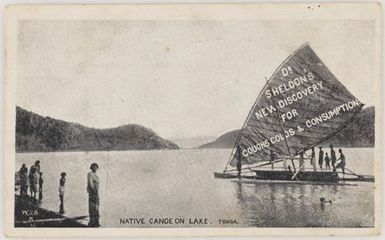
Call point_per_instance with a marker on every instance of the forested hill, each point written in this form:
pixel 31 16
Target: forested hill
pixel 38 133
pixel 359 133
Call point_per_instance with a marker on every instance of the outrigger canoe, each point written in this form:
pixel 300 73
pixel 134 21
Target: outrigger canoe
pixel 300 107
pixel 307 176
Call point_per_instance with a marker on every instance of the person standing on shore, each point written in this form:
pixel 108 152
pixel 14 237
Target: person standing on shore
pixel 320 158
pixel 23 174
pixel 93 195
pixel 34 174
pixel 41 186
pixel 62 183
pixel 33 181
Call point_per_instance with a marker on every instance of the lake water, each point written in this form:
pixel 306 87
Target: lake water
pixel 180 184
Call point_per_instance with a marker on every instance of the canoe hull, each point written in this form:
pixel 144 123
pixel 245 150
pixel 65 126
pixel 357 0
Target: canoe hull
pixel 311 176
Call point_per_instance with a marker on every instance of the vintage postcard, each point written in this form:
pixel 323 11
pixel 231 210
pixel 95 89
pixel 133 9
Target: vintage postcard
pixel 192 120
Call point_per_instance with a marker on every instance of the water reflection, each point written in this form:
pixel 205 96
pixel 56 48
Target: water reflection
pixel 294 205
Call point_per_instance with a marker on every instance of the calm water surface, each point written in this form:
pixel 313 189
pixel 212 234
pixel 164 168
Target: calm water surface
pixel 180 184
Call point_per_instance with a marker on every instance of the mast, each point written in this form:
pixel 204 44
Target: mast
pixel 283 132
pixel 244 124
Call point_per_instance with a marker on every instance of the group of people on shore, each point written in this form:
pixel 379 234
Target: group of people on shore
pixel 34 180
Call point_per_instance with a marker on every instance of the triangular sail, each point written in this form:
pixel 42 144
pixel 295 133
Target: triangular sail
pixel 302 105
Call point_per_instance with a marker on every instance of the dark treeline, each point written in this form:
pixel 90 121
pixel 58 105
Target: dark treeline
pixel 38 133
pixel 359 133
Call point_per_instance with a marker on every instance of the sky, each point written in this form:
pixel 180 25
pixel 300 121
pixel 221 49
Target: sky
pixel 180 78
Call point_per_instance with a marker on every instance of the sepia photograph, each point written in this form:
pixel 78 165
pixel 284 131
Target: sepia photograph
pixel 242 118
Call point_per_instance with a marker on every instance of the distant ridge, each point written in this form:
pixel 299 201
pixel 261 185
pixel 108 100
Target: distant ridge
pixel 192 142
pixel 36 133
pixel 359 133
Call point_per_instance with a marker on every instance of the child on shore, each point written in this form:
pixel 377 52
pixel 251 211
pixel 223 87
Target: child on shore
pixel 41 186
pixel 61 191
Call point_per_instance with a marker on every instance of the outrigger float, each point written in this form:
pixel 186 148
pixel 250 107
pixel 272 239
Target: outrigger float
pixel 300 107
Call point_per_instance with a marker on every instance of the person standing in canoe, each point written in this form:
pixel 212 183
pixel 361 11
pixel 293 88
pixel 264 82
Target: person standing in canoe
pixel 238 156
pixel 62 183
pixel 342 162
pixel 320 157
pixel 312 159
pixel 333 157
pixel 327 161
pixel 93 195
pixel 302 161
pixel 272 158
